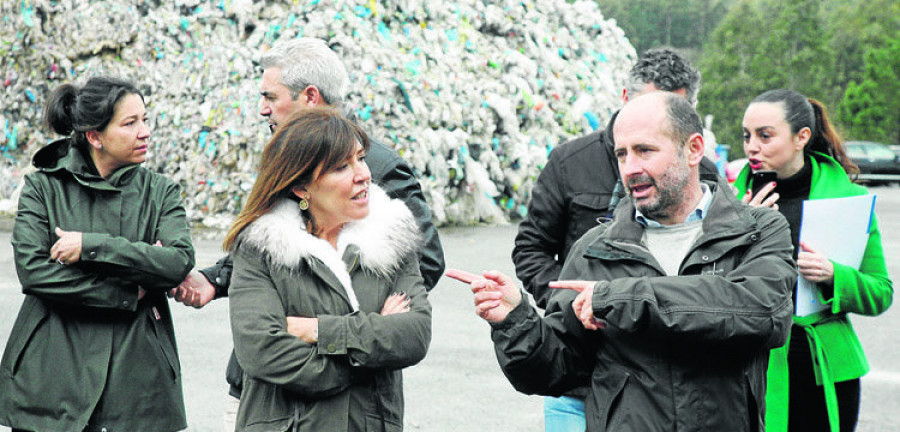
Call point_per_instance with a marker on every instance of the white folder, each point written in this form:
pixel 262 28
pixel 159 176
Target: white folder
pixel 839 229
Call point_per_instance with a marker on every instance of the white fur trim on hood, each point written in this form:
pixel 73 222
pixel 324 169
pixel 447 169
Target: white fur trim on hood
pixel 384 237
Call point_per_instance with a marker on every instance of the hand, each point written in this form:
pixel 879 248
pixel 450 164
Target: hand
pixel 495 296
pixel 194 291
pixel 66 250
pixel 396 303
pixel 814 266
pixel 763 197
pixel 582 305
pixel 307 329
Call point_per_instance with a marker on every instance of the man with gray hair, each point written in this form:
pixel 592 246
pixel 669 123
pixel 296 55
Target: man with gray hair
pixel 577 188
pixel 297 74
pixel 668 311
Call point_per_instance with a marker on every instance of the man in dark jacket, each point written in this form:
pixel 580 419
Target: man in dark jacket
pixel 577 188
pixel 670 310
pixel 304 73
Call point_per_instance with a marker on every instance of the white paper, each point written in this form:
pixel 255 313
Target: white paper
pixel 839 229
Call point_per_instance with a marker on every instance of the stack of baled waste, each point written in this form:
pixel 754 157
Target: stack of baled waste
pixel 473 95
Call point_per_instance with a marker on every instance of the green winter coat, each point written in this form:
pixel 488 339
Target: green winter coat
pixel 84 350
pixel 350 381
pixel 867 290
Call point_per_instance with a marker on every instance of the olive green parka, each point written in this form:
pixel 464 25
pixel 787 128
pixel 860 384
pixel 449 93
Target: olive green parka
pixel 678 353
pixel 351 379
pixel 85 350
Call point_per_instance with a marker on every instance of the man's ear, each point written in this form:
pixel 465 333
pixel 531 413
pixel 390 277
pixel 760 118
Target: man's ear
pixel 695 147
pixel 312 96
pixel 93 138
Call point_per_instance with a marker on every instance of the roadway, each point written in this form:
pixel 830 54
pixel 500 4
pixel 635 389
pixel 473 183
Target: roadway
pixel 459 387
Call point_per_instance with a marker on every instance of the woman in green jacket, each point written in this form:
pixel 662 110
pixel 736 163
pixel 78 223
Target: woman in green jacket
pixel 813 382
pixel 98 240
pixel 327 302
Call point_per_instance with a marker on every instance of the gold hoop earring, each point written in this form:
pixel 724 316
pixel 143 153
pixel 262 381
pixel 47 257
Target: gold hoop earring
pixel 304 204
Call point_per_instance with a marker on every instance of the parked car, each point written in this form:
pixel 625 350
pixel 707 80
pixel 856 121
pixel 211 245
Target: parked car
pixel 877 162
pixel 895 148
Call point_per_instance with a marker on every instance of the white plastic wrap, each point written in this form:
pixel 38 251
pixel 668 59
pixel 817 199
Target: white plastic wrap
pixel 474 96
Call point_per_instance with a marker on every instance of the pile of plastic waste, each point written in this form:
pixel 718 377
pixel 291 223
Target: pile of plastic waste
pixel 472 94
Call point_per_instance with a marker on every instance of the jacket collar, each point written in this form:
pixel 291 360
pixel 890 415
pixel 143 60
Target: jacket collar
pixel 379 242
pixel 829 180
pixel 726 217
pixel 610 143
pixel 63 155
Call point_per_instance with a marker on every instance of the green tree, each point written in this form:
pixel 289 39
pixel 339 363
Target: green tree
pixel 871 108
pixel 649 23
pixel 856 26
pixel 817 47
pixel 762 45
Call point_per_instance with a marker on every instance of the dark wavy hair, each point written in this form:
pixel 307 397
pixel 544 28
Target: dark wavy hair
pixel 667 70
pixel 90 107
pixel 802 112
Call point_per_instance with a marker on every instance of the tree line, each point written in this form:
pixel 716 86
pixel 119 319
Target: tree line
pixel 845 53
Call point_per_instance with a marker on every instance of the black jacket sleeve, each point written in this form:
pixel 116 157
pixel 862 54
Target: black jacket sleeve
pixel 219 275
pixel 542 233
pixel 550 356
pixel 397 179
pixel 709 172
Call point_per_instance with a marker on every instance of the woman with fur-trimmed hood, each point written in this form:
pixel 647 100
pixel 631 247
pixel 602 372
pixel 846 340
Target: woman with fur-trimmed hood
pixel 327 302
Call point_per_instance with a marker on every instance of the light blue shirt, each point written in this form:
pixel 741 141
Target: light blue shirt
pixel 698 214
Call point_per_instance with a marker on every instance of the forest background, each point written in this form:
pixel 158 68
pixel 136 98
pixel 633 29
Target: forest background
pixel 474 95
pixel 845 53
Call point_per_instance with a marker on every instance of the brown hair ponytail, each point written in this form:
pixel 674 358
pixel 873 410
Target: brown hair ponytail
pixel 825 139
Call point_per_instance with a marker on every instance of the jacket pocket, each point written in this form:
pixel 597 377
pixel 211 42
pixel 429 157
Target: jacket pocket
pixel 585 209
pixel 389 400
pixel 31 317
pixel 163 344
pixel 608 399
pixel 268 407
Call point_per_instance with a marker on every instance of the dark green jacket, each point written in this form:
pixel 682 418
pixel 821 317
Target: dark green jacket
pixel 83 346
pixel 679 353
pixel 867 290
pixel 351 379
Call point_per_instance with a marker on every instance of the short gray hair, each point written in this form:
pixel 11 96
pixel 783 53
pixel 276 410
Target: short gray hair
pixel 308 62
pixel 667 70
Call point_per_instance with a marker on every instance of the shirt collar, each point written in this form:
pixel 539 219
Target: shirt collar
pixel 698 214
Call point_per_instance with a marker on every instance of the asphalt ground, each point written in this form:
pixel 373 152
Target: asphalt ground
pixel 459 387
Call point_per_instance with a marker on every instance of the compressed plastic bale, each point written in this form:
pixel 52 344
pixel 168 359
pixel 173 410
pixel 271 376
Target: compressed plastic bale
pixel 420 73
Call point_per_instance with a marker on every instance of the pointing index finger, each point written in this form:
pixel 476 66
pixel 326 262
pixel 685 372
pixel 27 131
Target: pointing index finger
pixel 462 276
pixel 574 285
